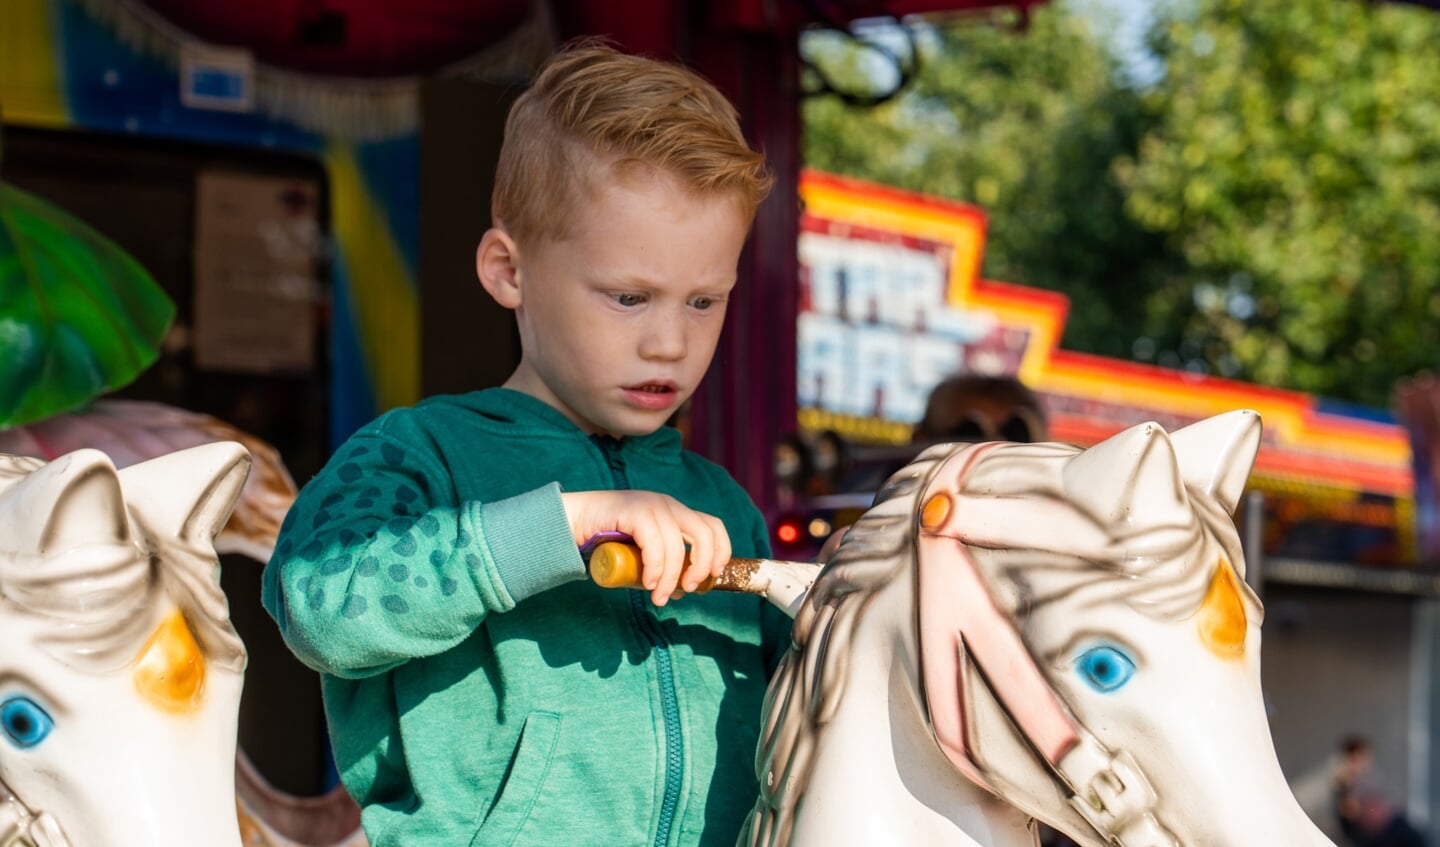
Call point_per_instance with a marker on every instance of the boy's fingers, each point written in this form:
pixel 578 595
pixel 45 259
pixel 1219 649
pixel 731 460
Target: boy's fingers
pixel 723 551
pixel 646 535
pixel 702 553
pixel 670 558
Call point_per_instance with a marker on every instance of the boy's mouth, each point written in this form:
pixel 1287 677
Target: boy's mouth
pixel 657 394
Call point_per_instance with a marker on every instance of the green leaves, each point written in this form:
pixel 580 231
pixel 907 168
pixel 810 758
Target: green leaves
pixel 1299 144
pixel 1026 123
pixel 78 316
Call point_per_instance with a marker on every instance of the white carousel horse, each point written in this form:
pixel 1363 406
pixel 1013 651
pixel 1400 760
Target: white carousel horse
pixel 120 685
pixel 121 674
pixel 1067 629
pixel 132 432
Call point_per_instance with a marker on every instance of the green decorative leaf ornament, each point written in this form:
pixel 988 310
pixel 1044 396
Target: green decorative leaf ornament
pixel 78 316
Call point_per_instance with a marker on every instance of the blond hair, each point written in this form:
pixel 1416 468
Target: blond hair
pixel 592 105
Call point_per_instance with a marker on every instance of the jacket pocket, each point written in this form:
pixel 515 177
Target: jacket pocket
pixel 528 767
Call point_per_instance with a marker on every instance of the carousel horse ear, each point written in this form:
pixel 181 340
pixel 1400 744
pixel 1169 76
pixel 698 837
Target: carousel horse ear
pixel 1216 454
pixel 1129 474
pixel 73 501
pixel 160 488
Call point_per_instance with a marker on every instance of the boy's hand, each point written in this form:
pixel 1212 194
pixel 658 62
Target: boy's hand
pixel 661 527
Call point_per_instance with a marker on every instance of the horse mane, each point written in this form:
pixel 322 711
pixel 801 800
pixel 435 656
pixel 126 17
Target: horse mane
pixel 1145 560
pixel 101 601
pixel 806 687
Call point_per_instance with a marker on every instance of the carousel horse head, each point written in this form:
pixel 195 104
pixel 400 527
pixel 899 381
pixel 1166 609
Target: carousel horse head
pixel 121 674
pixel 1072 631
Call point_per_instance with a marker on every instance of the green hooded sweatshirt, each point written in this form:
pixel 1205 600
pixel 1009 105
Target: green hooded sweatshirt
pixel 479 690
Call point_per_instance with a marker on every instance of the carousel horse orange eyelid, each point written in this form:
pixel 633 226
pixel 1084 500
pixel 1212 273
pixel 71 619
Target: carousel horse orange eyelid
pixel 1222 619
pixel 170 668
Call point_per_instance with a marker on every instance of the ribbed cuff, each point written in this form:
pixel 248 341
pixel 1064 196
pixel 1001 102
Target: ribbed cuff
pixel 530 542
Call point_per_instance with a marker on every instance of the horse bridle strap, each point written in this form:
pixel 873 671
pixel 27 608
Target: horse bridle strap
pixel 1113 795
pixel 1108 790
pixel 20 827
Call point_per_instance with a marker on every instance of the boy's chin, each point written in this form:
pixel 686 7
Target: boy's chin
pixel 627 431
pixel 631 425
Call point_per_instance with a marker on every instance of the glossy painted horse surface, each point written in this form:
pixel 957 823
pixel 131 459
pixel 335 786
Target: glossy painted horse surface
pixel 1020 631
pixel 120 676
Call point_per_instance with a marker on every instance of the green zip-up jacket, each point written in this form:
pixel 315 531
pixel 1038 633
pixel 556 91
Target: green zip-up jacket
pixel 479 690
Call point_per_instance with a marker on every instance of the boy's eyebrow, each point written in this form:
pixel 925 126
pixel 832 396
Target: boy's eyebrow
pixel 631 282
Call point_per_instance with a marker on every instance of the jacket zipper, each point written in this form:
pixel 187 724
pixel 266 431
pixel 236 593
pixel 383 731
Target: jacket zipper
pixel 664 663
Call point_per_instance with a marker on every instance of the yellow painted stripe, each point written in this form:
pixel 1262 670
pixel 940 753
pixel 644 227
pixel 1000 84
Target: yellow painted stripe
pixel 1293 424
pixel 31 90
pixel 895 215
pixel 1045 330
pixel 381 290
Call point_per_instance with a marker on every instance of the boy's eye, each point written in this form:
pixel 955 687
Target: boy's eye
pixel 629 299
pixel 703 303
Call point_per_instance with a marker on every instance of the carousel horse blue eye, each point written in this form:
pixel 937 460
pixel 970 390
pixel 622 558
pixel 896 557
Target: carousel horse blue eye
pixel 24 722
pixel 1105 668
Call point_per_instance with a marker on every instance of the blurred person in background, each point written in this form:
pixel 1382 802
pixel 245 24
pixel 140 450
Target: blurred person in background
pixel 1368 818
pixel 972 407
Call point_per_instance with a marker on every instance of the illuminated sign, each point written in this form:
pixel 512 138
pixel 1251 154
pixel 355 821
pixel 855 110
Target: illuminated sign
pixel 891 303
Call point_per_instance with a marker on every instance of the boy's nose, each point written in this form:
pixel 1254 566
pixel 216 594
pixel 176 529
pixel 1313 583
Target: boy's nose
pixel 664 340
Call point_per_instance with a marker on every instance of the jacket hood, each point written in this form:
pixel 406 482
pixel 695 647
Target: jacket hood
pixel 520 416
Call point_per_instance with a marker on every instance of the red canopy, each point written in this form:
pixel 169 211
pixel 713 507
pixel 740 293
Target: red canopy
pixel 383 38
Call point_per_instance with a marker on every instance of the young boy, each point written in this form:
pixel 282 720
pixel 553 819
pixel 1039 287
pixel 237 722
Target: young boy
pixel 479 689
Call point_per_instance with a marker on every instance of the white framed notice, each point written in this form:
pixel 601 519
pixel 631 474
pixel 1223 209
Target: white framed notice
pixel 258 242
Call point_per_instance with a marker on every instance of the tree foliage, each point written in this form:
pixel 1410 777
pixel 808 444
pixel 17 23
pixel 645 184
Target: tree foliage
pixel 1294 165
pixel 1266 210
pixel 1026 124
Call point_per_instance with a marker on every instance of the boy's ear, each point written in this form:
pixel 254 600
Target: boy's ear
pixel 497 263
